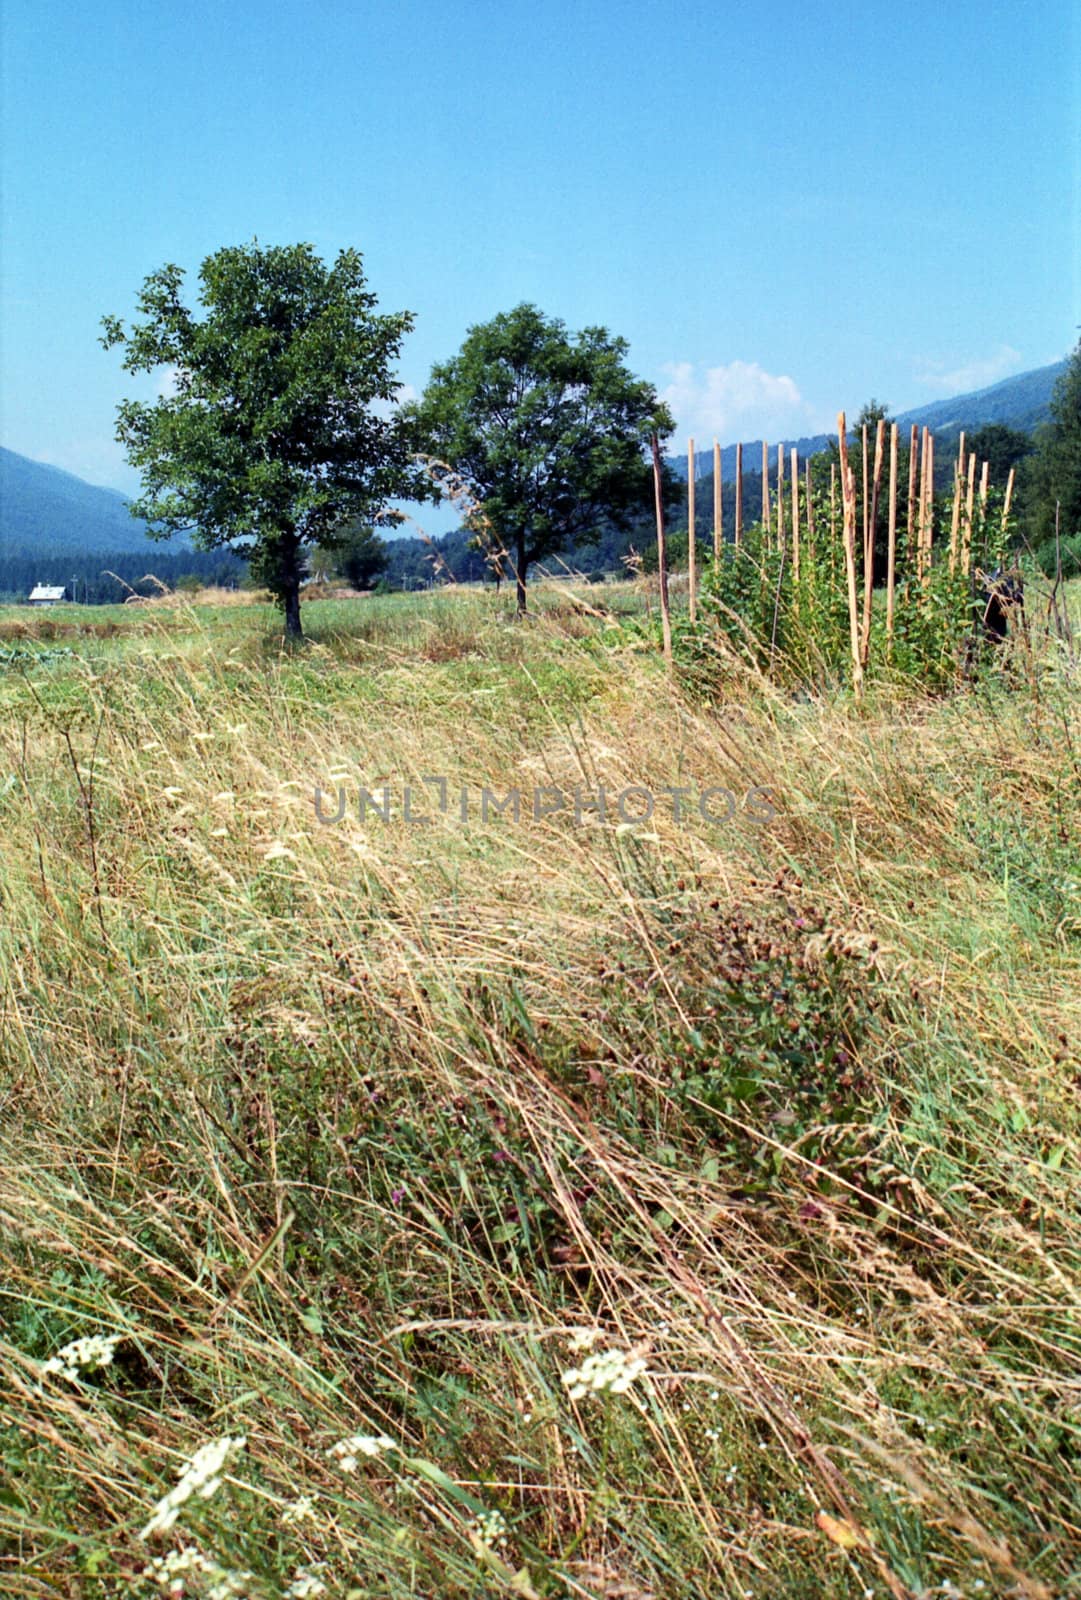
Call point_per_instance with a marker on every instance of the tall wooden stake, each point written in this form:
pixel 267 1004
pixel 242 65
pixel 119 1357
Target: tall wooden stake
pixel 848 493
pixel 955 519
pixel 739 495
pixel 921 533
pixel 910 524
pixel 810 510
pixel 966 532
pixel 1006 502
pixel 864 485
pixel 662 553
pixel 718 506
pixel 780 498
pixel 691 541
pixel 869 543
pixel 891 556
pixel 794 480
pixel 765 491
pixel 929 525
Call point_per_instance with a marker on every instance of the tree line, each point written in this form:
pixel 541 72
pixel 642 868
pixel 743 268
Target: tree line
pixel 283 440
pixel 104 577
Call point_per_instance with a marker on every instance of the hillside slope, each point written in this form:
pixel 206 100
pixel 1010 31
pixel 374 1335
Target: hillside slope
pixel 45 509
pixel 1023 401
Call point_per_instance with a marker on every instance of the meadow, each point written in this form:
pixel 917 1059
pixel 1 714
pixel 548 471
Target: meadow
pixel 570 1206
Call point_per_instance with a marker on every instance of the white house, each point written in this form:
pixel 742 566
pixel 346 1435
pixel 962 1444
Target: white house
pixel 44 594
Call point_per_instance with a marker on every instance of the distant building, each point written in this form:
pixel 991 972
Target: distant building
pixel 45 594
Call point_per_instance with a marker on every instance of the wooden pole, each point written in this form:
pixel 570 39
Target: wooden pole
pixel 718 507
pixel 794 480
pixel 891 557
pixel 765 491
pixel 780 498
pixel 910 525
pixel 869 542
pixel 810 510
pixel 966 532
pixel 848 492
pixel 929 521
pixel 921 534
pixel 662 554
pixel 1006 502
pixel 739 495
pixel 985 484
pixel 864 486
pixel 955 520
pixel 691 541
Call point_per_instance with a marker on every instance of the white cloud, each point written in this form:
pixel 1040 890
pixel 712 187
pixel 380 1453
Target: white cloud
pixel 978 373
pixel 386 408
pixel 165 383
pixel 738 401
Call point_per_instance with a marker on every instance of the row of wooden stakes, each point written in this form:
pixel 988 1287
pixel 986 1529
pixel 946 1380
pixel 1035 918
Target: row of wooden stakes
pixel 799 517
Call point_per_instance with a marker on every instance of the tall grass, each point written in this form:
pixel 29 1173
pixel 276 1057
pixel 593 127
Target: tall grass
pixel 345 1129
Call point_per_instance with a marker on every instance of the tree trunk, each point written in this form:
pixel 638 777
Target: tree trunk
pixel 291 607
pixel 290 568
pixel 521 564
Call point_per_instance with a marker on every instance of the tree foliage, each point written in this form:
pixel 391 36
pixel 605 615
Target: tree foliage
pixel 361 555
pixel 1001 447
pixel 548 427
pixel 1053 485
pixel 270 439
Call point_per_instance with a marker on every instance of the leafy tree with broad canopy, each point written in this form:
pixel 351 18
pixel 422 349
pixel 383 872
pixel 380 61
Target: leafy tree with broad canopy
pixel 549 429
pixel 269 442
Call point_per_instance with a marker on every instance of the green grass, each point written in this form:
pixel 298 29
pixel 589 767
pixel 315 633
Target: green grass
pixel 345 1128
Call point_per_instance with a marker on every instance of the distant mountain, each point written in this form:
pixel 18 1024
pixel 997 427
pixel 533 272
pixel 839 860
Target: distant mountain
pixel 43 508
pixel 1021 402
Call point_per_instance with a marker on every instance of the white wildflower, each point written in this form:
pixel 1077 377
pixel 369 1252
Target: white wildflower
pixel 297 1511
pixel 488 1528
pixel 347 1452
pixel 201 1476
pixel 584 1338
pixel 306 1584
pixel 229 1585
pixel 610 1372
pixel 169 1571
pixel 278 852
pixel 84 1355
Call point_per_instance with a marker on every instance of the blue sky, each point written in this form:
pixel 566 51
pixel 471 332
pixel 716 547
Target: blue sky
pixel 785 210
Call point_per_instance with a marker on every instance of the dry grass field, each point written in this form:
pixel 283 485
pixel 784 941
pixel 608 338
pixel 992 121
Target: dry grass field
pixel 356 1140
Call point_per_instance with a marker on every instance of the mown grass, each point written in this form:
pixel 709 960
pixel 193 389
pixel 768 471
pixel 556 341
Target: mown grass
pixel 345 1128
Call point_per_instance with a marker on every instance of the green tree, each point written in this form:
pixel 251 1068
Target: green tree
pixel 1054 479
pixel 548 427
pixel 270 440
pixel 1001 447
pixel 361 555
